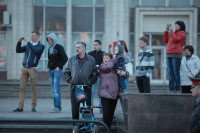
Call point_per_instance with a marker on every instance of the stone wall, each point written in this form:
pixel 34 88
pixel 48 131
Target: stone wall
pixel 154 113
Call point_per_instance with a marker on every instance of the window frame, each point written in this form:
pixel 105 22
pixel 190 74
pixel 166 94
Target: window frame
pixel 43 33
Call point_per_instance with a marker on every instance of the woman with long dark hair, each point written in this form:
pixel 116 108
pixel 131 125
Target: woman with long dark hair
pixel 175 41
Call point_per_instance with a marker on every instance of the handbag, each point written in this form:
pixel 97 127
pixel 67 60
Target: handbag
pixel 80 95
pixel 129 68
pixel 197 75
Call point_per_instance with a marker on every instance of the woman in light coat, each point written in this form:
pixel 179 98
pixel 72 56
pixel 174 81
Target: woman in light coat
pixel 190 66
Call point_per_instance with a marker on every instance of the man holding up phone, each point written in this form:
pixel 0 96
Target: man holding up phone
pixel 33 51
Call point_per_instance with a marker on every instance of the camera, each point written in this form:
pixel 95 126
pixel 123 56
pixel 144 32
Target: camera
pixel 168 25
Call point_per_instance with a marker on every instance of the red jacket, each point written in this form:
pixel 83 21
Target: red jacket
pixel 175 41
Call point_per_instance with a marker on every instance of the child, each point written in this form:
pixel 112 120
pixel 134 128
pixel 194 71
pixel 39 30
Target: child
pixel 119 55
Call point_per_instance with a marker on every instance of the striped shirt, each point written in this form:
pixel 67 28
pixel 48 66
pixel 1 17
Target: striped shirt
pixel 146 66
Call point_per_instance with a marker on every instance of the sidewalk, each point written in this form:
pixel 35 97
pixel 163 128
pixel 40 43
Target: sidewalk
pixel 44 106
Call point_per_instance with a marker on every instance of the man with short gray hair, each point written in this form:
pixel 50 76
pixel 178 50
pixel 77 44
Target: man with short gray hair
pixel 81 70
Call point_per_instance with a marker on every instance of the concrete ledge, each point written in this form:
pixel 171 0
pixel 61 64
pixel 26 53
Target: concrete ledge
pixel 154 113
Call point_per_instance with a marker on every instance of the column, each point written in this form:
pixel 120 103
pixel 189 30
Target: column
pixel 22 23
pixel 116 21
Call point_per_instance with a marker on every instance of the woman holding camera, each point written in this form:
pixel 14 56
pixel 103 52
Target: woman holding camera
pixel 175 41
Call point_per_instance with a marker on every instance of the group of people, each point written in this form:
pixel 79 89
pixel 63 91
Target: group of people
pixel 95 70
pixel 183 70
pixel 105 71
pixel 180 68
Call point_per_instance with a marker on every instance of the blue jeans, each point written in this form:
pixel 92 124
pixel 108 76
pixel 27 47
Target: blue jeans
pixel 94 86
pixel 122 83
pixel 173 66
pixel 55 80
pixel 126 82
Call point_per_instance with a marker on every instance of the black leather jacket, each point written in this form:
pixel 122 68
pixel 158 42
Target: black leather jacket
pixel 81 71
pixel 194 123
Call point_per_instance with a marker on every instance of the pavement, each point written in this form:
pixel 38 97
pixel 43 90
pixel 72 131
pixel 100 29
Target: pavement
pixel 44 106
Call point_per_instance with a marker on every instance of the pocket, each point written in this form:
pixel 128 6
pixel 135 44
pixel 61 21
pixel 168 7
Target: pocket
pixel 58 73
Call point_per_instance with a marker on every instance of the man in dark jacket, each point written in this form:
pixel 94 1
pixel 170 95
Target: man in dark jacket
pixel 33 51
pixel 56 60
pixel 194 122
pixel 98 56
pixel 81 70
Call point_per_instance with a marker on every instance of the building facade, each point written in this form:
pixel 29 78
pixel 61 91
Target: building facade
pixel 88 20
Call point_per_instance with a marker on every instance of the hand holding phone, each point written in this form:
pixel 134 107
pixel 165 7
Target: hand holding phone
pixel 20 39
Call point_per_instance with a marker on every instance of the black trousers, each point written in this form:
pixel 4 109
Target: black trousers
pixel 108 106
pixel 186 89
pixel 75 105
pixel 143 84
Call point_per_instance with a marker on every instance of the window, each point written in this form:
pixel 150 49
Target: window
pixel 87 22
pixel 132 19
pixel 82 19
pixel 153 3
pixel 3 45
pixel 50 17
pixel 179 3
pixel 134 3
pixel 196 3
pixel 157 40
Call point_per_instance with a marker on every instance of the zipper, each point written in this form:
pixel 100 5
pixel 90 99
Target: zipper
pixel 28 58
pixel 35 60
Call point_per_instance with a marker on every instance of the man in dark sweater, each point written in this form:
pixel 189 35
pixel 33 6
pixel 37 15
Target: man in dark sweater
pixel 194 122
pixel 98 56
pixel 56 60
pixel 81 71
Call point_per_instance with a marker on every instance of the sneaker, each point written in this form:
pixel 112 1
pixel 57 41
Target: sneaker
pixel 178 92
pixel 55 110
pixel 170 92
pixel 33 110
pixel 18 110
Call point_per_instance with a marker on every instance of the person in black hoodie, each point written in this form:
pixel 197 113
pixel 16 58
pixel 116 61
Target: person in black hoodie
pixel 98 56
pixel 56 60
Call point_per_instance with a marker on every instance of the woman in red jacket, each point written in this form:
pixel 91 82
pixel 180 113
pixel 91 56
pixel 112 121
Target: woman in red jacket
pixel 175 41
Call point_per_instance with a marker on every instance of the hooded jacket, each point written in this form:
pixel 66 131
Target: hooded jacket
pixel 32 53
pixel 120 58
pixel 56 54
